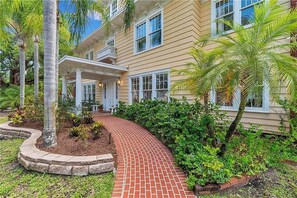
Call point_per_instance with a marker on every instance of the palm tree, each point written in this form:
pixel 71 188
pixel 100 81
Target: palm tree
pixel 254 57
pixel 49 33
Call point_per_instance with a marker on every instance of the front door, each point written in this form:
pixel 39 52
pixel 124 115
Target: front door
pixel 110 95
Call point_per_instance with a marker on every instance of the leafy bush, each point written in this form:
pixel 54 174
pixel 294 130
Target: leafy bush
pixel 184 128
pixel 34 113
pixel 80 132
pixel 96 129
pixel 75 119
pixel 18 117
pixel 87 117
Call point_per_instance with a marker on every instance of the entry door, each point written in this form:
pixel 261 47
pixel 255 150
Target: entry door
pixel 109 95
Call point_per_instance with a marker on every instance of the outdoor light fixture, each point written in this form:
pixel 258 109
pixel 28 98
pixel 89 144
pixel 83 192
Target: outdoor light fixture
pixel 100 84
pixel 119 82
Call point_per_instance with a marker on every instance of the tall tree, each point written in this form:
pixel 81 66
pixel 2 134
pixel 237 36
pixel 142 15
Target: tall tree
pixel 49 33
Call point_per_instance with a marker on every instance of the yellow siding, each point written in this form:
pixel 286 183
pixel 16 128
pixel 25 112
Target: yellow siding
pixel 184 22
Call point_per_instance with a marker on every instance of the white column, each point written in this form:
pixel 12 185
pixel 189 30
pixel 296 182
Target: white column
pixel 64 88
pixel 78 90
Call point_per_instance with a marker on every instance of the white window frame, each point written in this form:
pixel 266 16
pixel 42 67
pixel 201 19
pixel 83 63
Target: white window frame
pixel 237 10
pixel 88 53
pixel 154 91
pixel 147 22
pixel 87 93
pixel 111 14
pixel 236 100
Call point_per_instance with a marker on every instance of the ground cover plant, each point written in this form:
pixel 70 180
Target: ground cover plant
pixel 15 181
pixel 183 128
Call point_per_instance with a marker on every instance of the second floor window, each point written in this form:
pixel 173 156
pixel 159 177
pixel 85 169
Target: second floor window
pixel 89 55
pixel 113 8
pixel 235 11
pixel 148 33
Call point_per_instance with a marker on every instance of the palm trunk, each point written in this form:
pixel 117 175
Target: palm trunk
pixel 22 74
pixel 234 124
pixel 57 55
pixel 49 31
pixel 36 71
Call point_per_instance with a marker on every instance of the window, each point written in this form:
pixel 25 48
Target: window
pixel 161 86
pixel 89 92
pixel 89 55
pixel 135 89
pixel 141 37
pixel 148 33
pixel 258 101
pixel 233 10
pixel 149 86
pixel 224 10
pixel 117 90
pixel 155 31
pixel 104 90
pixel 113 8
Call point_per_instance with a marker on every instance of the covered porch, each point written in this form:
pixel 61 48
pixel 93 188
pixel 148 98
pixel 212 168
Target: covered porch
pixel 105 76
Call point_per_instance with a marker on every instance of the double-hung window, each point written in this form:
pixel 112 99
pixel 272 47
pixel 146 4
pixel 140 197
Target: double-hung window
pixel 89 55
pixel 235 11
pixel 224 10
pixel 141 37
pixel 149 86
pixel 113 7
pixel 148 33
pixel 89 91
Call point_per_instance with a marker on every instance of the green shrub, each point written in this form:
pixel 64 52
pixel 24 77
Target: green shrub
pixel 87 117
pixel 18 117
pixel 184 128
pixel 80 132
pixel 76 120
pixel 96 129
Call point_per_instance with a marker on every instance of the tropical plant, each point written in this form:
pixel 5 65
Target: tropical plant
pixel 253 58
pixel 96 129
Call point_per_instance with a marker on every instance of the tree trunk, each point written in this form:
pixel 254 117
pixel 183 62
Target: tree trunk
pixel 206 102
pixel 36 70
pixel 22 73
pixel 57 56
pixel 49 32
pixel 234 124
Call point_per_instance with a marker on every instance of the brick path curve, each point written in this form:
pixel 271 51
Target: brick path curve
pixel 145 166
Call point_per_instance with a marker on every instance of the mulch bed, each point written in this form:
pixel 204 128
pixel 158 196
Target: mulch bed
pixel 67 145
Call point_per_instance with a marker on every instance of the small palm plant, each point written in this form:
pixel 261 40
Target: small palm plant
pixel 253 57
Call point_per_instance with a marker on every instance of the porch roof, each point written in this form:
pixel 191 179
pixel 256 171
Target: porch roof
pixel 90 69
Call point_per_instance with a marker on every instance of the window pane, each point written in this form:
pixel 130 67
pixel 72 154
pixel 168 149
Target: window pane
pixel 110 43
pixel 93 92
pixel 223 98
pixel 147 87
pixel 141 31
pixel 156 38
pixel 141 44
pixel 161 86
pixel 155 23
pixel 135 89
pixel 87 56
pixel 114 7
pixel 255 99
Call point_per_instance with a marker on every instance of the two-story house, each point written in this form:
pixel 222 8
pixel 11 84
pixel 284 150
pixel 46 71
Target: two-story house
pixel 135 64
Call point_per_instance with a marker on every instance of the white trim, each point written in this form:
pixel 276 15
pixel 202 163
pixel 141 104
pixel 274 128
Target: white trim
pixel 91 62
pixel 147 20
pixel 83 91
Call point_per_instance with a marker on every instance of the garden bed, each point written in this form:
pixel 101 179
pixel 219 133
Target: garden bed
pixel 67 145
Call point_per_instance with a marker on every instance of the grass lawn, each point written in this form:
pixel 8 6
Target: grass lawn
pixel 15 181
pixel 3 119
pixel 278 182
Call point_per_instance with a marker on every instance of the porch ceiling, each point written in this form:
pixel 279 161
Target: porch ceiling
pixel 89 69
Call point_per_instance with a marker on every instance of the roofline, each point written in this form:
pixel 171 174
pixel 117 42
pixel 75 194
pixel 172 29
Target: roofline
pixel 96 63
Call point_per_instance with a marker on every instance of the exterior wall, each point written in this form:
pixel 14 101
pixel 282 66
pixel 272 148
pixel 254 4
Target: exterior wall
pixel 183 23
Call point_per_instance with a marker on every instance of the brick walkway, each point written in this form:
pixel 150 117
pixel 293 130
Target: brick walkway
pixel 145 166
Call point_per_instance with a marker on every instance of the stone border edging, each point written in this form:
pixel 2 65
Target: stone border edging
pixel 232 183
pixel 37 160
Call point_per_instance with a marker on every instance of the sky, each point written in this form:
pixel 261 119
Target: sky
pixel 94 21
